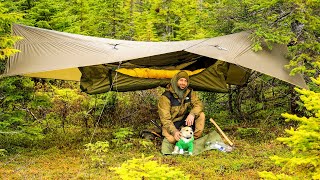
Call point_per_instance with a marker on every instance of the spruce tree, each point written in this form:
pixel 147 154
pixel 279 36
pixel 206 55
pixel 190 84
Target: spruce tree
pixel 304 141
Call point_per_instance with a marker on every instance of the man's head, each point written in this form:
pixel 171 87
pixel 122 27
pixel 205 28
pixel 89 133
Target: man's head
pixel 182 80
pixel 179 83
pixel 182 83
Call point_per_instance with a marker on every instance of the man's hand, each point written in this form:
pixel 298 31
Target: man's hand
pixel 177 135
pixel 190 120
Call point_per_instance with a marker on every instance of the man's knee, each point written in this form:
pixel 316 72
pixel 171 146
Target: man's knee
pixel 168 136
pixel 199 122
pixel 202 116
pixel 171 139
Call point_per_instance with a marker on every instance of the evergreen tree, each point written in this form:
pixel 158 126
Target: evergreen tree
pixel 144 20
pixel 293 23
pixel 15 92
pixel 108 18
pixel 6 39
pixel 78 17
pixel 304 141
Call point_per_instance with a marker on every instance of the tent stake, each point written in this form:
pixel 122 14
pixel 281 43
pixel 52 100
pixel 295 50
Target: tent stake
pixel 221 132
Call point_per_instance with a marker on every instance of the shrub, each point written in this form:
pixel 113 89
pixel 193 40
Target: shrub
pixel 145 168
pixel 304 141
pixel 3 152
pixel 121 137
pixel 97 152
pixel 17 123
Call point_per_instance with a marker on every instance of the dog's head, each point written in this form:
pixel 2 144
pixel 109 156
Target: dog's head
pixel 186 132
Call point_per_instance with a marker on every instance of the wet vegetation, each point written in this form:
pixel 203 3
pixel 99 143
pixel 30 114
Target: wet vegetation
pixel 49 129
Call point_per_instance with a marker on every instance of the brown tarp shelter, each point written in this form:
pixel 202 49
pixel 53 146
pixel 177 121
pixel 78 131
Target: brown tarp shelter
pixel 95 61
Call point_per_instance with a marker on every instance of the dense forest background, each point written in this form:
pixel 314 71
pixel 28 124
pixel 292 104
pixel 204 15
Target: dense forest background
pixel 45 113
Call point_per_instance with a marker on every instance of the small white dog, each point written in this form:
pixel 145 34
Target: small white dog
pixel 186 141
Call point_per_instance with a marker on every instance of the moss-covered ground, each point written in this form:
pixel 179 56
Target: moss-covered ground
pixel 247 159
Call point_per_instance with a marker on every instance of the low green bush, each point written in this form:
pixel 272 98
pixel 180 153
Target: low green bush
pixel 97 152
pixel 146 168
pixel 304 162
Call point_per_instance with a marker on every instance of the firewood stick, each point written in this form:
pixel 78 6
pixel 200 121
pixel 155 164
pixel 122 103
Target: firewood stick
pixel 221 132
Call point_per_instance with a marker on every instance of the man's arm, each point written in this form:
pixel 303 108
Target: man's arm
pixel 164 107
pixel 197 106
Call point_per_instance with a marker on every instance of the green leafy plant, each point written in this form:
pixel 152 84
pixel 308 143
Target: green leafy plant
pixel 304 162
pixel 6 40
pixel 146 168
pixel 16 117
pixel 121 137
pixel 3 152
pixel 97 152
pixel 145 143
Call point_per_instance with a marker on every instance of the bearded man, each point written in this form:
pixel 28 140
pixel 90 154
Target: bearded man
pixel 179 106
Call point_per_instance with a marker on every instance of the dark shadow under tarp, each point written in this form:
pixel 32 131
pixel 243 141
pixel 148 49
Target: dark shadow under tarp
pixel 199 144
pixel 103 78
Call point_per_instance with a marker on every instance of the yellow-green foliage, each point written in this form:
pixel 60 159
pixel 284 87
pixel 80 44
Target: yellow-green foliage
pixel 6 40
pixel 121 137
pixel 97 152
pixel 304 141
pixel 145 168
pixel 3 152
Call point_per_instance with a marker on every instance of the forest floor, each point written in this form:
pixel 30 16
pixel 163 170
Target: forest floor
pixel 244 162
